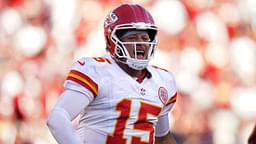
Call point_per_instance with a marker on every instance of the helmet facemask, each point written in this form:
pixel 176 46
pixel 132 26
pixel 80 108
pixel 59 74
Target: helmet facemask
pixel 121 53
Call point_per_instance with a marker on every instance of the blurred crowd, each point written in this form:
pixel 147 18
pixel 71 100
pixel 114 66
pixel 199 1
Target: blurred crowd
pixel 210 45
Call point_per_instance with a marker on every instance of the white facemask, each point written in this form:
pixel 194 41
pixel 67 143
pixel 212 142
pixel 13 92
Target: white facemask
pixel 121 52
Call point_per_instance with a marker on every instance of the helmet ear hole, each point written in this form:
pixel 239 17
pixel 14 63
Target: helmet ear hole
pixel 118 49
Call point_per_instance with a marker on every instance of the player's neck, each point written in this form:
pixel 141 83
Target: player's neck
pixel 130 71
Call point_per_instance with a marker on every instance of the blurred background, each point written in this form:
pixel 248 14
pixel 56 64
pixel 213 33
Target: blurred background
pixel 208 44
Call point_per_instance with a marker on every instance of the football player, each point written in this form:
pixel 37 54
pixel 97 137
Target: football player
pixel 120 98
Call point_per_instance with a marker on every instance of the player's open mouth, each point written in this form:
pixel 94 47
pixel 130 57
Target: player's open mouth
pixel 140 54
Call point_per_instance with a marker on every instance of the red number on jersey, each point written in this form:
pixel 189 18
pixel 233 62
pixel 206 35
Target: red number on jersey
pixel 101 59
pixel 124 107
pixel 141 124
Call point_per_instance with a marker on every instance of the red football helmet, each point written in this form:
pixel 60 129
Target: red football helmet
pixel 124 18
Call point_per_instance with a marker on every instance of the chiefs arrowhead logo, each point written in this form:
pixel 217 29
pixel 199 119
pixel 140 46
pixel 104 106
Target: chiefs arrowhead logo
pixel 111 18
pixel 163 95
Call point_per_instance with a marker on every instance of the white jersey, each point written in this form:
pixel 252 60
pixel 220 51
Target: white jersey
pixel 122 110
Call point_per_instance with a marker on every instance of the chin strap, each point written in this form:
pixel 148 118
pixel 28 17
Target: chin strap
pixel 133 63
pixel 137 64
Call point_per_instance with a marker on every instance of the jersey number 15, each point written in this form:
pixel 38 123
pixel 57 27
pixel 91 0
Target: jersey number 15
pixel 142 124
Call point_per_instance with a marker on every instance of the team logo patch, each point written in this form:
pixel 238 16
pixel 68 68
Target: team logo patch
pixel 163 95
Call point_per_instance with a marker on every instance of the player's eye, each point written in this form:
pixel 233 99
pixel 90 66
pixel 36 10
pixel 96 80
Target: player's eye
pixel 130 38
pixel 146 39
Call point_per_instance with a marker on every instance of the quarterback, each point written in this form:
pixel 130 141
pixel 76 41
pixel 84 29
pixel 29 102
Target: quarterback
pixel 119 97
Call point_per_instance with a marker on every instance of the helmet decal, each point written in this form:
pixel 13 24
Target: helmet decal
pixel 110 19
